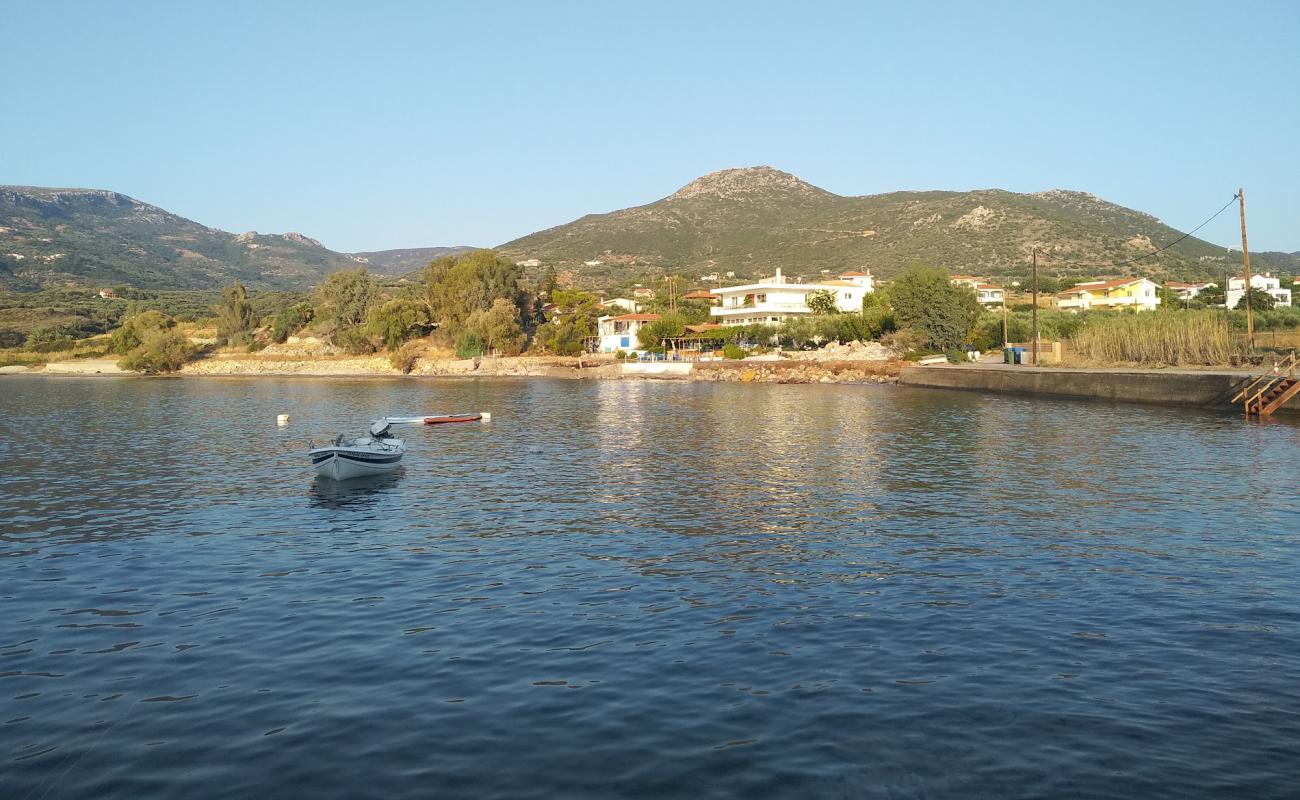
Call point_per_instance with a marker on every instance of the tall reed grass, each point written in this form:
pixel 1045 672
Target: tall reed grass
pixel 1157 338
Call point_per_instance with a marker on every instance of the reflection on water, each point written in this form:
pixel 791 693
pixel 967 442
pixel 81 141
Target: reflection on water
pixel 363 491
pixel 642 589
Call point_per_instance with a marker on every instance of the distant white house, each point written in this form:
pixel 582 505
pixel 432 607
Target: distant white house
pixel 619 333
pixel 986 293
pixel 1136 293
pixel 1265 282
pixel 622 303
pixel 775 299
pixel 1188 291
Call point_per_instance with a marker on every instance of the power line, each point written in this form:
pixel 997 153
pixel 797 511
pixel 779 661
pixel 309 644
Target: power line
pixel 1162 249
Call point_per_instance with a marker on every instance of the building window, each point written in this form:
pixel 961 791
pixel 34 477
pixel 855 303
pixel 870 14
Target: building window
pixel 760 298
pixel 625 342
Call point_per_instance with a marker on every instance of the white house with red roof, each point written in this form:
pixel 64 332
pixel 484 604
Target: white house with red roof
pixel 1188 291
pixel 777 299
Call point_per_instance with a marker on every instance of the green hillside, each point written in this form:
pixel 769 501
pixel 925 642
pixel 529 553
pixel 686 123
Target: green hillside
pixel 406 260
pixel 50 237
pixel 751 221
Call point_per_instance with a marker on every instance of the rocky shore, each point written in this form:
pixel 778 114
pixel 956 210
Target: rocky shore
pixel 855 363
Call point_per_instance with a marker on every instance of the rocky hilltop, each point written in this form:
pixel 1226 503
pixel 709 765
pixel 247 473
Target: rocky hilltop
pixel 753 220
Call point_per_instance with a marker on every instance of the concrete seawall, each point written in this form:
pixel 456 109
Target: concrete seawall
pixel 1166 387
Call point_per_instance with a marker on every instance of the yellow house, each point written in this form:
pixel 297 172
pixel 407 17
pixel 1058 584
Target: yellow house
pixel 1136 293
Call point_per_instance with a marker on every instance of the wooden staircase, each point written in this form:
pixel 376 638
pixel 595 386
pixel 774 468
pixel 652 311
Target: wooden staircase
pixel 1270 391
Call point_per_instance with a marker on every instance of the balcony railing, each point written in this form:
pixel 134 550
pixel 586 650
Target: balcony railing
pixel 759 308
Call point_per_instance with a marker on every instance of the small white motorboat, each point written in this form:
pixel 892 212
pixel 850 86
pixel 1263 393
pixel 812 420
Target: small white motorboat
pixel 374 454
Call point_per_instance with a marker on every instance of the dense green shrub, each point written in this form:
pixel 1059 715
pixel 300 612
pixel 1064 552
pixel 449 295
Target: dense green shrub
pixel 161 350
pixel 924 298
pixel 498 327
pixel 234 317
pixel 454 287
pixel 135 327
pixel 732 352
pixel 345 298
pixel 469 345
pixel 353 340
pixel 668 326
pixel 289 320
pixel 10 338
pixel 396 321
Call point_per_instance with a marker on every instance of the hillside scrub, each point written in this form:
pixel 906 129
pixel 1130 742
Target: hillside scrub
pixel 1157 338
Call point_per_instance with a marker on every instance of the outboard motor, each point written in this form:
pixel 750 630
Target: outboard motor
pixel 379 429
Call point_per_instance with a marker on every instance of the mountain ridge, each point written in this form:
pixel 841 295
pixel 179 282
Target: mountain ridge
pixel 57 235
pixel 751 220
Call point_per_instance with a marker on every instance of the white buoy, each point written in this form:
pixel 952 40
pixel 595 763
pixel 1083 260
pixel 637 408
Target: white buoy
pixel 486 416
pixel 282 420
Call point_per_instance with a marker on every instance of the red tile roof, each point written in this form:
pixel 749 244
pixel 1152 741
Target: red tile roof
pixel 1100 286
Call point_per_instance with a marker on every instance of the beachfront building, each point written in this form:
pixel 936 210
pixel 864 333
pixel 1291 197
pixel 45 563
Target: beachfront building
pixel 1135 293
pixel 776 299
pixel 1266 283
pixel 1188 291
pixel 619 333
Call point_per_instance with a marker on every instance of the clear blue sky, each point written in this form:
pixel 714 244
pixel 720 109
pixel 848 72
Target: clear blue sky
pixel 383 124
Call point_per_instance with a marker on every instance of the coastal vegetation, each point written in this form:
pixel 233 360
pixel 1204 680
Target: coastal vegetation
pixel 479 303
pixel 1157 338
pixel 924 299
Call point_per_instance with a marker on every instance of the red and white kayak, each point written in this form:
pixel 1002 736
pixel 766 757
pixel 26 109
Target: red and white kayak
pixel 436 419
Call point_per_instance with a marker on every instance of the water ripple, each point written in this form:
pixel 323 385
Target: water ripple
pixel 643 589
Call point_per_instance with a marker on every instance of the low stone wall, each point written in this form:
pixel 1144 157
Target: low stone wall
pixel 787 371
pixel 1169 387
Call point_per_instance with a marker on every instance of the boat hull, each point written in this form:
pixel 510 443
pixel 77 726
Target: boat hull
pixel 343 463
pixel 435 419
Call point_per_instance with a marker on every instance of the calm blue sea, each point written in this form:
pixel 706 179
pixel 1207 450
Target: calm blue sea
pixel 640 589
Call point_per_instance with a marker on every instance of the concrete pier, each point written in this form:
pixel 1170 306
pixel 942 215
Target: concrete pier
pixel 1189 388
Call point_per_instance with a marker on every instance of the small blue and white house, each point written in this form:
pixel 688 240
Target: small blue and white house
pixel 619 333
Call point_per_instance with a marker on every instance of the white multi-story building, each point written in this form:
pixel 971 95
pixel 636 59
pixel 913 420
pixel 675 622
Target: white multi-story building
pixel 1265 282
pixel 776 299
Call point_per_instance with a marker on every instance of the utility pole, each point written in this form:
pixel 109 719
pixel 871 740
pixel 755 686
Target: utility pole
pixel 1033 324
pixel 1004 318
pixel 1245 261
